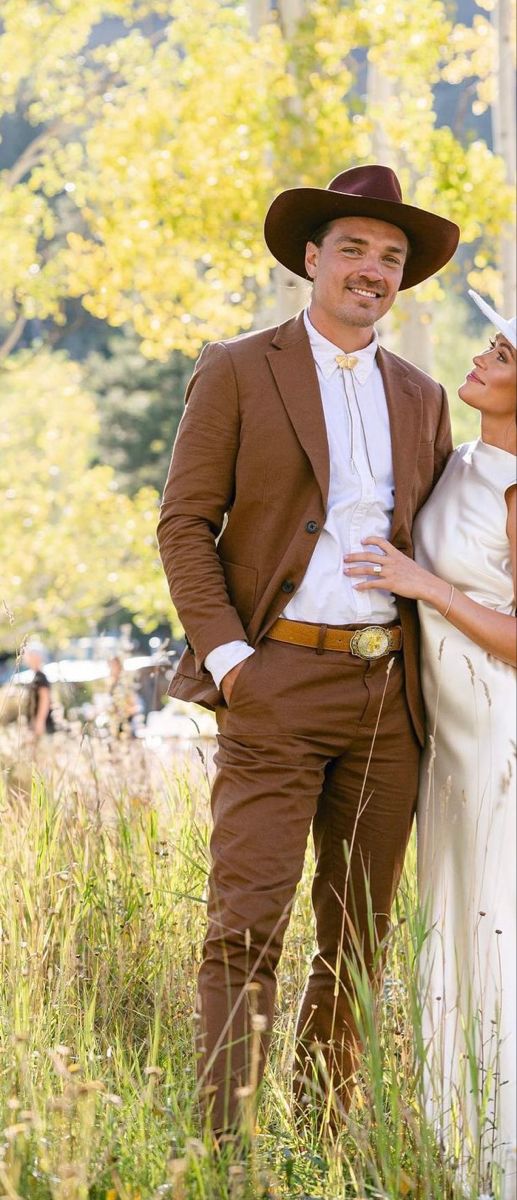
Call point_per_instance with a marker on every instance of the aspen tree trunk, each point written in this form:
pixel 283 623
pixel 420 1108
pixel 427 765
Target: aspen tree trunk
pixel 379 90
pixel 413 337
pixel 414 341
pixel 291 293
pixel 504 136
pixel 290 13
pixel 259 11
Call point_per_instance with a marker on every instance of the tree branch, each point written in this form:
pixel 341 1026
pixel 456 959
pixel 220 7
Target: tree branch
pixel 13 337
pixel 29 156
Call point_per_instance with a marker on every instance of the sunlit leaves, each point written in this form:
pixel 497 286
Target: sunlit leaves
pixel 25 220
pixel 176 179
pixel 408 40
pixel 156 152
pixel 156 149
pixel 472 55
pixel 70 542
pixel 161 144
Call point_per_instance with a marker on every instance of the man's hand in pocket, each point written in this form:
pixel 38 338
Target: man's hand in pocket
pixel 228 681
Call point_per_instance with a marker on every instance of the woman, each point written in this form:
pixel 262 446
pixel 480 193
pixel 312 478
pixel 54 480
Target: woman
pixel 464 579
pixel 39 709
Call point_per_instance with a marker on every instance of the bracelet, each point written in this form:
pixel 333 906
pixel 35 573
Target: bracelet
pixel 451 598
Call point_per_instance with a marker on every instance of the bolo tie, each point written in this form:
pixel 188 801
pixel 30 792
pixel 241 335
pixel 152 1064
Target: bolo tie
pixel 346 363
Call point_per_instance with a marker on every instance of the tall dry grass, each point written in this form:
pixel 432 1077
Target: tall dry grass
pixel 103 870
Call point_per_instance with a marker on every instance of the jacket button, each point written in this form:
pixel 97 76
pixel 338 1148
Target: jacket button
pixel 312 527
pixel 288 585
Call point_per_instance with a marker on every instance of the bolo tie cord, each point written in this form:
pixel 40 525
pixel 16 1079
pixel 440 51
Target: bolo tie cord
pixel 343 367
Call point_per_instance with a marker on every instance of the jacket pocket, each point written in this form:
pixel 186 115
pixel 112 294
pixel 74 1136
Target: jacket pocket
pixel 241 582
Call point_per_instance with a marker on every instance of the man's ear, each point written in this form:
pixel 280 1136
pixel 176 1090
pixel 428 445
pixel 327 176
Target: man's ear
pixel 311 260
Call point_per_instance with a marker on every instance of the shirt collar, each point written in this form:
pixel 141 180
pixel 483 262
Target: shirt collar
pixel 324 353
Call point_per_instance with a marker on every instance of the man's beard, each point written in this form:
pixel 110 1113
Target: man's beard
pixel 360 322
pixel 357 319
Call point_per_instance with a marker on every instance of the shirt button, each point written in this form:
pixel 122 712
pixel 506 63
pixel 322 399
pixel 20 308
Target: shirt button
pixel 312 527
pixel 288 585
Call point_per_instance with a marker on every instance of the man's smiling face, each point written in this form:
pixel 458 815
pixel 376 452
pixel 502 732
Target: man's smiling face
pixel 356 271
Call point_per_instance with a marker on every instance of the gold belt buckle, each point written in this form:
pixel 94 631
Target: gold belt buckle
pixel 371 642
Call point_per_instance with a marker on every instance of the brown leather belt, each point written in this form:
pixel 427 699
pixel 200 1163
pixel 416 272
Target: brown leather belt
pixel 369 641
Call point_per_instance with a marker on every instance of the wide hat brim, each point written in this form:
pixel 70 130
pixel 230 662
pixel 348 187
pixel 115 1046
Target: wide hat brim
pixel 297 213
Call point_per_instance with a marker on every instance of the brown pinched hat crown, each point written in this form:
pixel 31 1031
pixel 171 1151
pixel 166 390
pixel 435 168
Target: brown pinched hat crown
pixel 369 191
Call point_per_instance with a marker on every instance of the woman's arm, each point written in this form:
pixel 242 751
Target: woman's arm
pixel 494 632
pixel 511 529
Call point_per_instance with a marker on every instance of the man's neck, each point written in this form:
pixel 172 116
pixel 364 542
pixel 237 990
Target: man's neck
pixel 347 337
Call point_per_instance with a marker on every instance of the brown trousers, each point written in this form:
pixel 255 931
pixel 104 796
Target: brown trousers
pixel 297 748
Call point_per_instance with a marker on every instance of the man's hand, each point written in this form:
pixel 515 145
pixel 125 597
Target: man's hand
pixel 228 681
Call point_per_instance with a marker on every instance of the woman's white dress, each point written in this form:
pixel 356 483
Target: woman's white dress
pixel 466 825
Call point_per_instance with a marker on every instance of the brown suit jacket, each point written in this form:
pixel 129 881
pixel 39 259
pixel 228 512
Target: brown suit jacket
pixel 251 460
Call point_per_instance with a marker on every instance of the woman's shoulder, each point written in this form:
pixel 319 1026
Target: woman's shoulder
pixel 459 456
pixel 496 466
pixel 465 449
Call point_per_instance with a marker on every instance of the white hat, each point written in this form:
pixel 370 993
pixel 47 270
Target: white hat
pixel 509 328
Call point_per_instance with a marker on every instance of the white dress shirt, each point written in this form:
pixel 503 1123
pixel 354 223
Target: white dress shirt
pixel 360 499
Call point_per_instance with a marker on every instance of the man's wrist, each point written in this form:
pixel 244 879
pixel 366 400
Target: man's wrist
pixel 223 658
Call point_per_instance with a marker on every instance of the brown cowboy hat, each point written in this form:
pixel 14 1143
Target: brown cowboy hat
pixel 369 191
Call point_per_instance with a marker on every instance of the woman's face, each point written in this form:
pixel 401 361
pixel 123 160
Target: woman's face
pixel 491 384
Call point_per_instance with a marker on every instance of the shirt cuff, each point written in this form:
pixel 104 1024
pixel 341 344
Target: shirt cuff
pixel 223 658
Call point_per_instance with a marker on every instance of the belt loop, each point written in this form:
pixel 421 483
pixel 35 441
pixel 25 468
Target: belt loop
pixel 322 633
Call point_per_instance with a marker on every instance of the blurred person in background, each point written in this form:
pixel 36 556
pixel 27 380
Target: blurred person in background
pixel 39 708
pixel 123 704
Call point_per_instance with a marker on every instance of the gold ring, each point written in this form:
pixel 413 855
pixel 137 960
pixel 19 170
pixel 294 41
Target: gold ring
pixel 377 568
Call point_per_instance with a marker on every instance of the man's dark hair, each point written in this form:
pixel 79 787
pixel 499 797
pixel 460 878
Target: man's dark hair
pixel 318 237
pixel 320 233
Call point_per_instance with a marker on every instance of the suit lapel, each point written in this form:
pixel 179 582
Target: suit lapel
pixel 294 371
pixel 404 400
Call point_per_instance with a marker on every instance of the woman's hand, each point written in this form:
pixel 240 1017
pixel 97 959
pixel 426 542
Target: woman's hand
pixel 493 631
pixel 395 572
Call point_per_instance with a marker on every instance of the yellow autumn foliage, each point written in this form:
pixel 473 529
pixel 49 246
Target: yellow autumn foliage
pixel 159 143
pixel 70 541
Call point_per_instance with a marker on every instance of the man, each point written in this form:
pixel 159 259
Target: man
pixel 306 439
